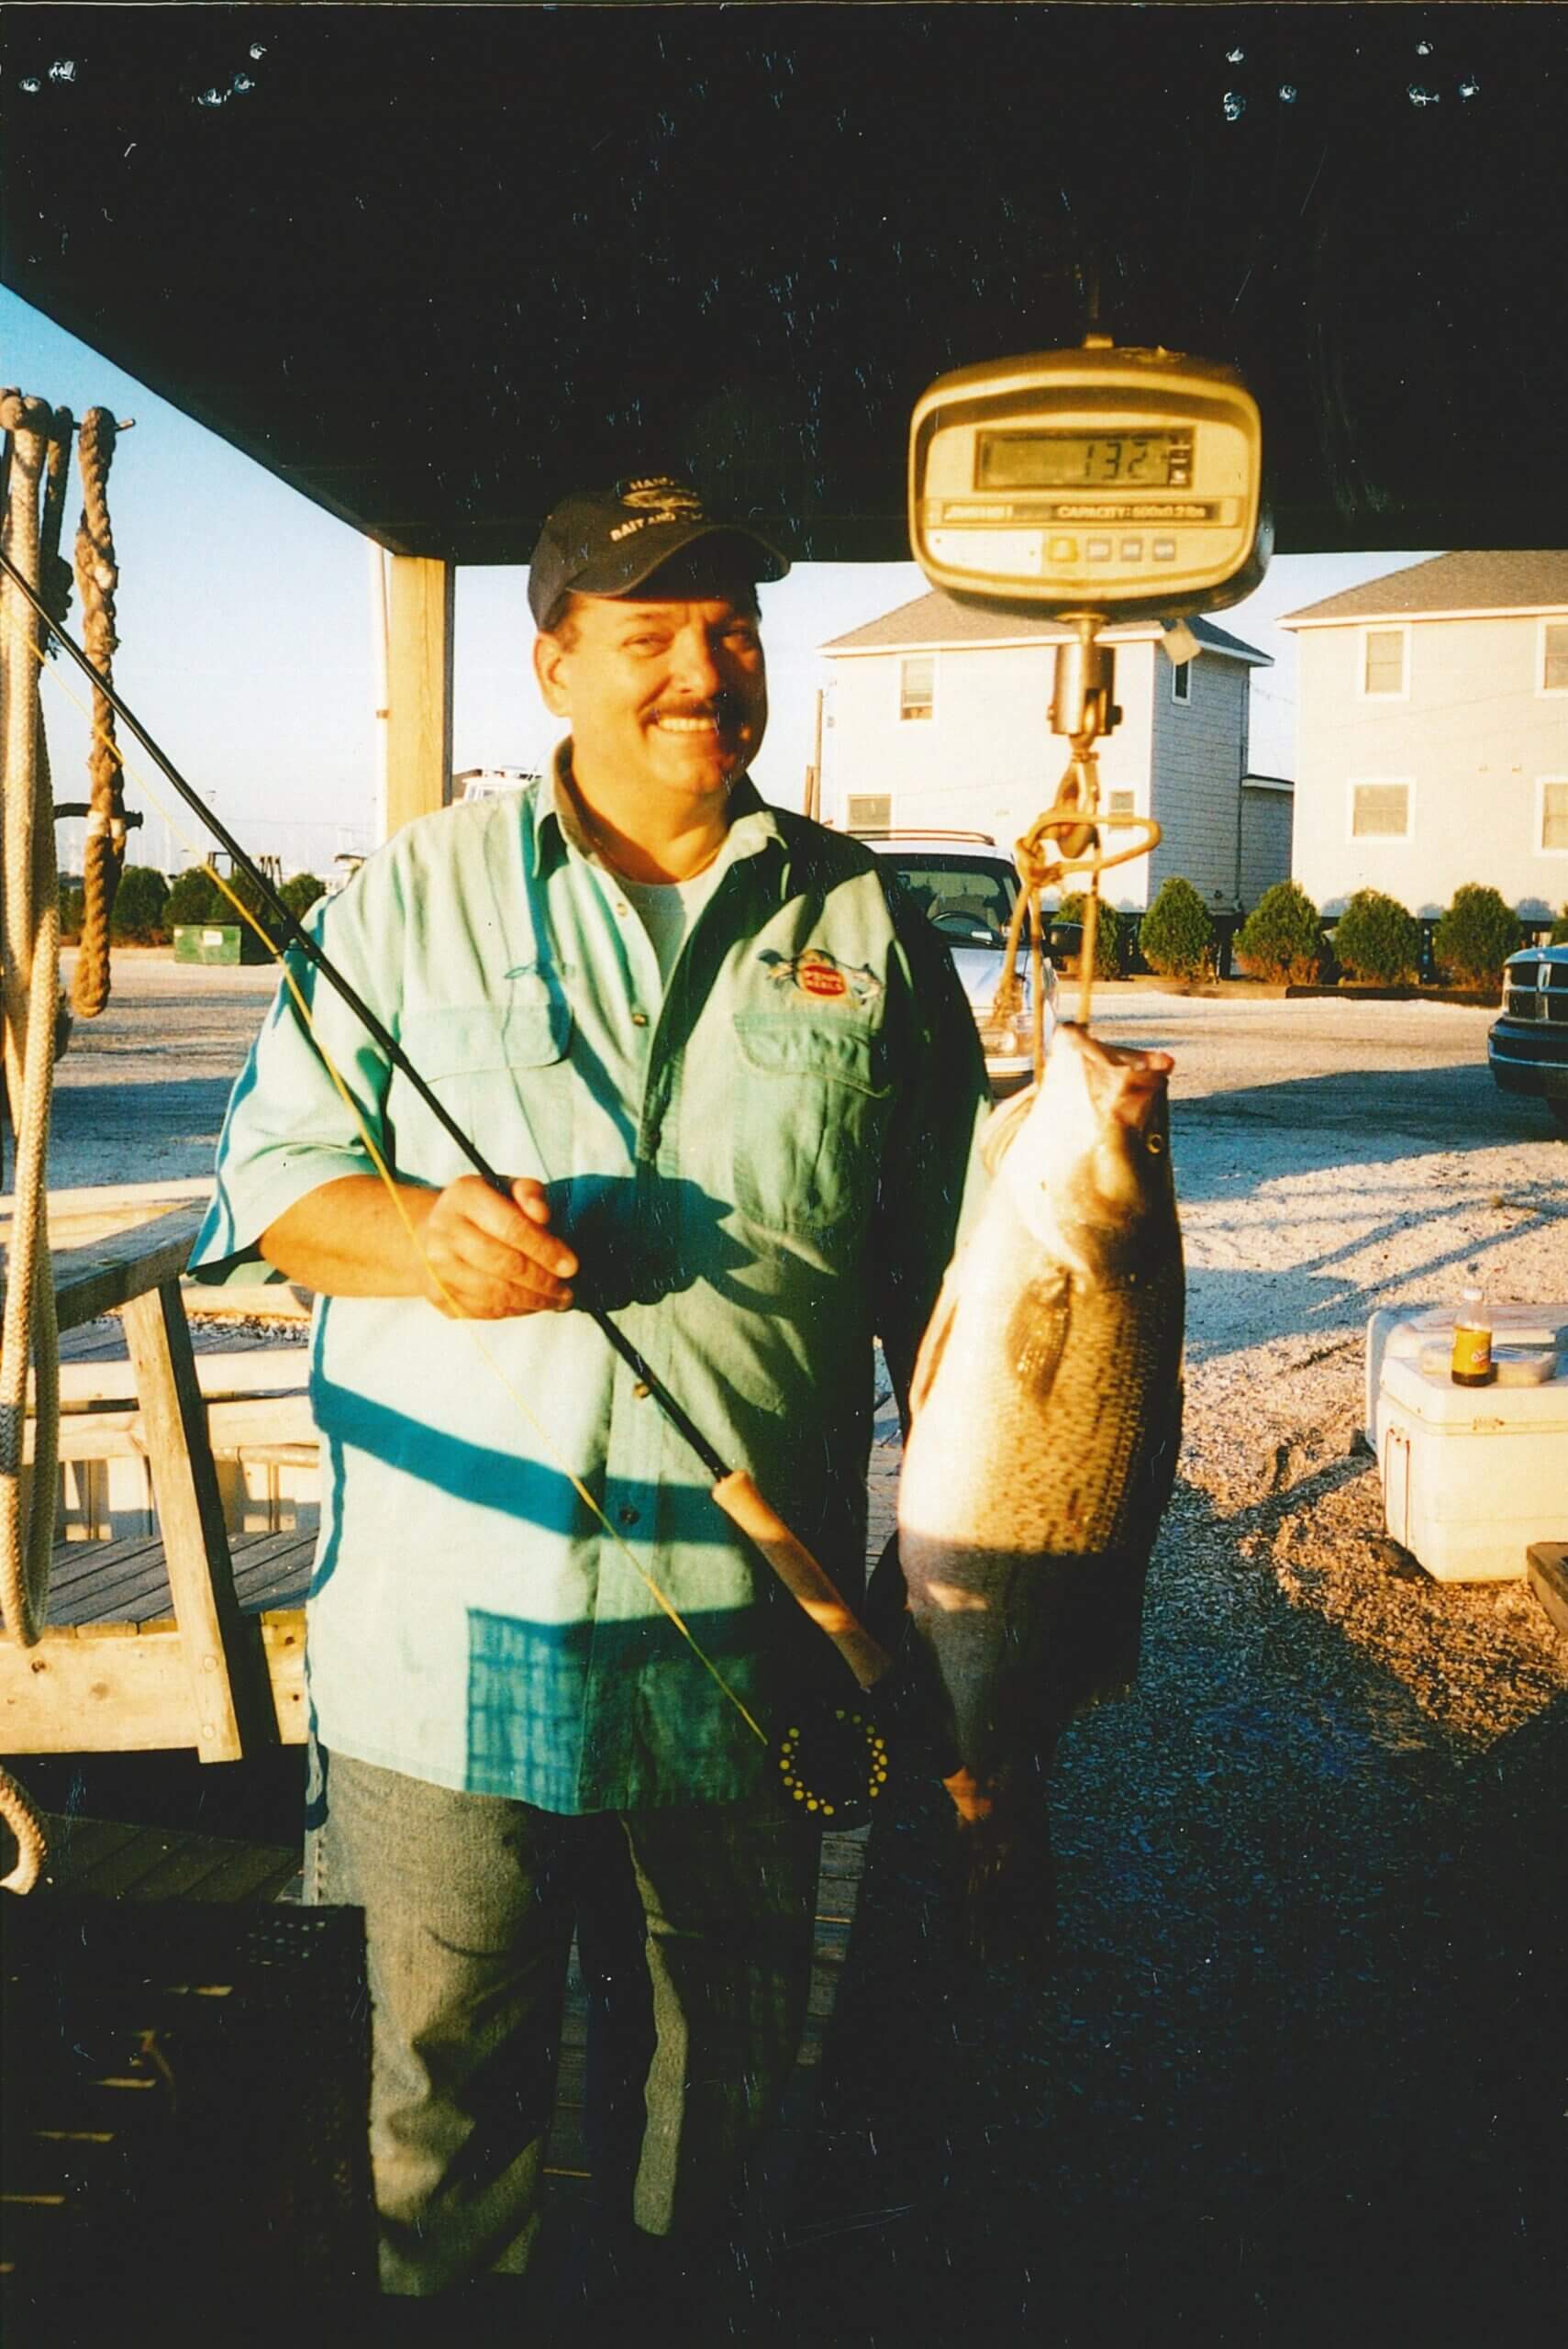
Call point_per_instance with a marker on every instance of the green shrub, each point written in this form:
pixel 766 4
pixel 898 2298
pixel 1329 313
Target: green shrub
pixel 1475 937
pixel 137 918
pixel 1560 930
pixel 1282 938
pixel 70 900
pixel 195 899
pixel 1377 941
pixel 1110 950
pixel 299 893
pixel 1176 935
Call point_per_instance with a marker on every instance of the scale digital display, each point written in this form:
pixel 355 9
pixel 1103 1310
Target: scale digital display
pixel 1106 480
pixel 1082 459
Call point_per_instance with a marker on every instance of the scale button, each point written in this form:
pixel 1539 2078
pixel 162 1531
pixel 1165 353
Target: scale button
pixel 1164 549
pixel 1099 550
pixel 1132 549
pixel 1064 549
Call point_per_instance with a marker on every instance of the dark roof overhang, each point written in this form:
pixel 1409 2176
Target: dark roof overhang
pixel 436 266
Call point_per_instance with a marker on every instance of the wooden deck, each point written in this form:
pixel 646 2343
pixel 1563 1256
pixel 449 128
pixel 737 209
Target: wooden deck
pixel 109 1859
pixel 109 1587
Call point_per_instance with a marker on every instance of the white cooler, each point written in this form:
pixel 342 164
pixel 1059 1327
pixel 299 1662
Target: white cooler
pixel 1472 1476
pixel 1399 1334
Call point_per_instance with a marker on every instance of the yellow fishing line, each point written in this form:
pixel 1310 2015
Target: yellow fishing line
pixel 395 1193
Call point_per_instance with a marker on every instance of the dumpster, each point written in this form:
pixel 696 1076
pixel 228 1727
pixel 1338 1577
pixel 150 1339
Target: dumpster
pixel 227 941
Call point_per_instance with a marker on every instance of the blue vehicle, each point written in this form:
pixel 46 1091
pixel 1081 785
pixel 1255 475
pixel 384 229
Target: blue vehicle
pixel 1527 1047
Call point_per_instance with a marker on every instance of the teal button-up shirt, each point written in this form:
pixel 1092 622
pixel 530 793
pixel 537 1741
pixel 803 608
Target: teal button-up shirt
pixel 759 1166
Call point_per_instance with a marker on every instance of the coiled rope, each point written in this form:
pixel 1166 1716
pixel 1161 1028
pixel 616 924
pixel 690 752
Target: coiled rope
pixel 30 933
pixel 103 851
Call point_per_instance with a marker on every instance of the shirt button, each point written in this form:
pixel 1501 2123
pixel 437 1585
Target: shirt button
pixel 627 1514
pixel 640 1018
pixel 642 1390
pixel 620 909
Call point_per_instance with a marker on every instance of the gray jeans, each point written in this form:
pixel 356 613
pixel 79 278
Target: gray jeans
pixel 695 1934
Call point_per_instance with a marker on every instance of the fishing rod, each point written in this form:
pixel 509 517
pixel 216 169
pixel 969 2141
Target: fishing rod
pixel 840 1740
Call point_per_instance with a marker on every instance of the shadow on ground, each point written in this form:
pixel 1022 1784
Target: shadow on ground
pixel 1296 2073
pixel 1369 1117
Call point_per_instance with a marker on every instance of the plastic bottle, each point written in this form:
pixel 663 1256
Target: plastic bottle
pixel 1471 1364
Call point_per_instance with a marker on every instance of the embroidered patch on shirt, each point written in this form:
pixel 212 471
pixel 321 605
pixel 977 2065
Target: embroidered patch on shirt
pixel 821 977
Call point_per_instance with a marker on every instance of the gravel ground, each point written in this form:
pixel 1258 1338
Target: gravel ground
pixel 1297 2073
pixel 140 1091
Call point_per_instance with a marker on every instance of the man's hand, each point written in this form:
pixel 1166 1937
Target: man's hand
pixel 491 1257
pixel 469 1252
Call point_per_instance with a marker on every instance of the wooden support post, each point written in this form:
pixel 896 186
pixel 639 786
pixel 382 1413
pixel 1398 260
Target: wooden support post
pixel 419 688
pixel 230 1697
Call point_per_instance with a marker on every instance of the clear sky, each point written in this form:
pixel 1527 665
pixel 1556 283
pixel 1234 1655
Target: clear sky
pixel 246 647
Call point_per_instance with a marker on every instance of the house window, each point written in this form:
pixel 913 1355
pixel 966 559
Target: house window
pixel 1383 660
pixel 1182 680
pixel 868 811
pixel 1555 657
pixel 1555 814
pixel 918 685
pixel 1379 811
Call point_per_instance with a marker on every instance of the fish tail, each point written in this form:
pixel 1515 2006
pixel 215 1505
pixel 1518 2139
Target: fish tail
pixel 1008 1888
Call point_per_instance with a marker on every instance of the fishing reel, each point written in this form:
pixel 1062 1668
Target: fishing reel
pixel 833 1760
pixel 836 1755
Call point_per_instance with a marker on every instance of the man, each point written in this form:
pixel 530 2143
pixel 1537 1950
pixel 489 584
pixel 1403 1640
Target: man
pixel 737 1103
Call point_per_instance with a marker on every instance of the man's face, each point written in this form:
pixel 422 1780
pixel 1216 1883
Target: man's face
pixel 665 696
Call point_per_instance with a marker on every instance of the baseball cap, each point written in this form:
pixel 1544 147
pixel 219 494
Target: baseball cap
pixel 607 541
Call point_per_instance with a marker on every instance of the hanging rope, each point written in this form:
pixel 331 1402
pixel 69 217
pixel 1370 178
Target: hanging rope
pixel 1067 839
pixel 103 851
pixel 30 925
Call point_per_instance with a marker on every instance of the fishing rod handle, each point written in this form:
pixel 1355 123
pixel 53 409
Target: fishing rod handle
pixel 807 1583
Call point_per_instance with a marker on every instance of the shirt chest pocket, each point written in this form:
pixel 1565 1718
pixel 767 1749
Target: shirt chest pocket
pixel 503 1074
pixel 812 1100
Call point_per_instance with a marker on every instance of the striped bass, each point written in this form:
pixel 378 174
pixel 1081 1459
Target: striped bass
pixel 1045 1418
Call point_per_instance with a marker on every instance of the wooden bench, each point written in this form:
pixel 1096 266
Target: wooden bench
pixel 212 1677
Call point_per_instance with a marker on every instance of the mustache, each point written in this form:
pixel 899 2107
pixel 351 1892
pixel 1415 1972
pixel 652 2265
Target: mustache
pixel 722 709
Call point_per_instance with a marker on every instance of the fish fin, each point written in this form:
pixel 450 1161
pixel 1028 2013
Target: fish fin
pixel 939 1328
pixel 1001 1127
pixel 1037 1331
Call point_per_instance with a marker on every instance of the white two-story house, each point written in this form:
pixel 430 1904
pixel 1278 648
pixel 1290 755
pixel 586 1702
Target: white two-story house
pixel 1432 734
pixel 939 715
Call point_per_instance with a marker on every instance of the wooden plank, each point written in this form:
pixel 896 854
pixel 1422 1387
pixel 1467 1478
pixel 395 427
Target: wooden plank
pixel 419 688
pixel 126 1688
pixel 76 1845
pixel 104 1274
pixel 285 1583
pixel 103 1582
pixel 75 1562
pixel 122 1874
pixel 227 1687
pixel 212 1867
pixel 108 1384
pixel 132 1599
pixel 1547 1564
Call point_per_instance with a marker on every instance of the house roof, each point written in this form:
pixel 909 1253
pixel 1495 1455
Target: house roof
pixel 1530 578
pixel 936 622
